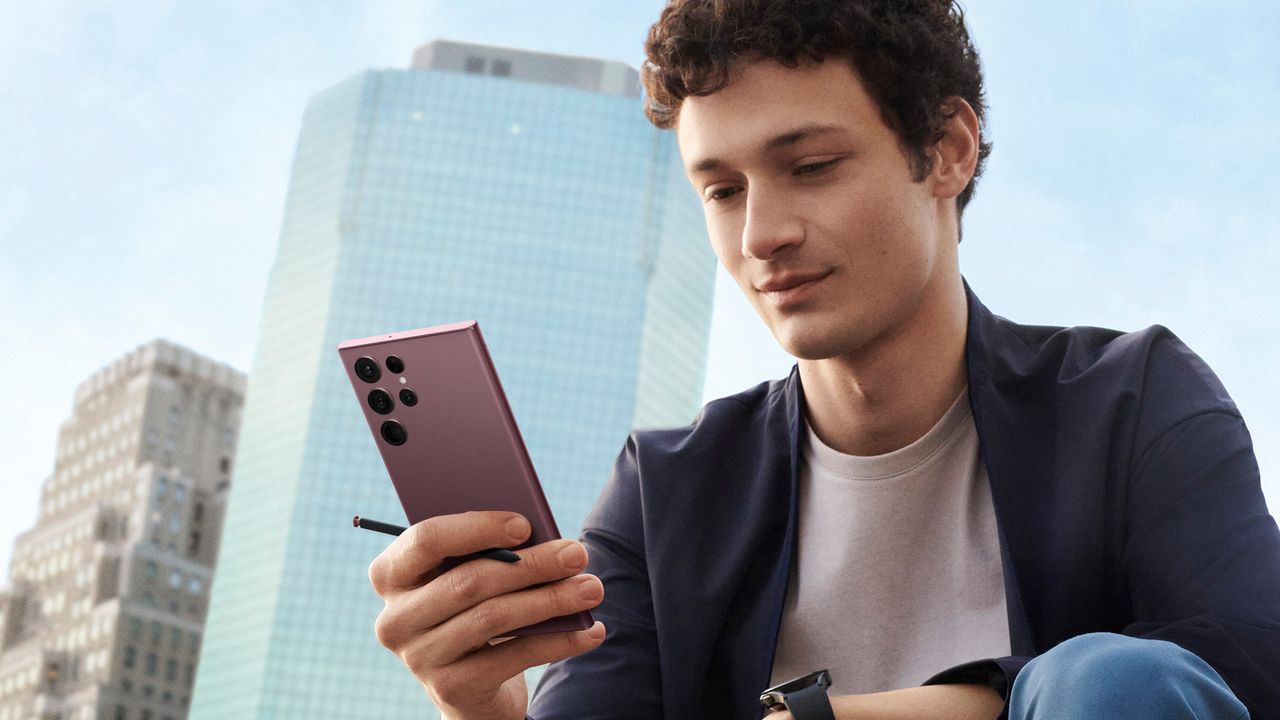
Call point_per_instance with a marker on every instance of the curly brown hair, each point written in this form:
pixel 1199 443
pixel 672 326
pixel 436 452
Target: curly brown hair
pixel 912 56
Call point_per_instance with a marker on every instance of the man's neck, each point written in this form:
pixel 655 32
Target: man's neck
pixel 891 393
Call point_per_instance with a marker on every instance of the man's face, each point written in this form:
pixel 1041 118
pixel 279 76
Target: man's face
pixel 800 179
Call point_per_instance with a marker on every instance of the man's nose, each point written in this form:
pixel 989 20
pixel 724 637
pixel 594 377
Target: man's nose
pixel 769 226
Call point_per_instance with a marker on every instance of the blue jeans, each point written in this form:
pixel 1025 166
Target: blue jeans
pixel 1104 676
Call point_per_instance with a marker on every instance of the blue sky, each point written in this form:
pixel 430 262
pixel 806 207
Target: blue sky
pixel 145 150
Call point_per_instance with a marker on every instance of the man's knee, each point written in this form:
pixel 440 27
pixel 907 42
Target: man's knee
pixel 1115 676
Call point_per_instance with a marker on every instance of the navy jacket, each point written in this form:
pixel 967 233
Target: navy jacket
pixel 1125 489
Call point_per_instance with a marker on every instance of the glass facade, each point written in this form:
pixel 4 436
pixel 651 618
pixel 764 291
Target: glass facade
pixel 555 216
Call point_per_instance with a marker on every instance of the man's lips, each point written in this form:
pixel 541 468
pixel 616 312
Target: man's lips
pixel 787 281
pixel 791 289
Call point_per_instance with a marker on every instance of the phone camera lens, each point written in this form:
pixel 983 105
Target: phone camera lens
pixel 380 401
pixel 367 369
pixel 393 432
pixel 395 364
pixel 408 397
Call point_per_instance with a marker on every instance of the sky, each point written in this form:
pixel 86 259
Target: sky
pixel 145 149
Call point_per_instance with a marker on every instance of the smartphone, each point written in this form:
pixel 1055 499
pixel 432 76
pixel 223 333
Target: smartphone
pixel 446 433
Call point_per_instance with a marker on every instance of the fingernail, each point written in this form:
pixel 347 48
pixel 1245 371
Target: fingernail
pixel 518 528
pixel 588 588
pixel 572 556
pixel 596 631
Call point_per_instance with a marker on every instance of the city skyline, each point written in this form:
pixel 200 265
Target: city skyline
pixel 477 182
pixel 106 611
pixel 1131 183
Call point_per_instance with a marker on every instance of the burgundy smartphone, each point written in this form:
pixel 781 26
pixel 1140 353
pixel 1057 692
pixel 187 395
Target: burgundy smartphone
pixel 446 432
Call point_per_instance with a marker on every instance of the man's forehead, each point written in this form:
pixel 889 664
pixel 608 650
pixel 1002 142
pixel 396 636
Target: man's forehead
pixel 767 107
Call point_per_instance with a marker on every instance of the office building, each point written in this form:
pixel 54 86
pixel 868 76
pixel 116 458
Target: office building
pixel 522 190
pixel 105 611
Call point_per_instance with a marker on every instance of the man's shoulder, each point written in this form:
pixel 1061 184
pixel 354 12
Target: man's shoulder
pixel 721 423
pixel 1151 367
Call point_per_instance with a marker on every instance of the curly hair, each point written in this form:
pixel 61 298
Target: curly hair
pixel 912 56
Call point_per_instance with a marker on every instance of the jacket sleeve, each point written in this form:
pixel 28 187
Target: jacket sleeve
pixel 1201 555
pixel 619 679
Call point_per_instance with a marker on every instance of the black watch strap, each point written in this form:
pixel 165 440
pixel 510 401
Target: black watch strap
pixel 810 703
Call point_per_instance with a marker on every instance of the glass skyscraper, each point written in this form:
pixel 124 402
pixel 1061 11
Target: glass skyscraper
pixel 523 190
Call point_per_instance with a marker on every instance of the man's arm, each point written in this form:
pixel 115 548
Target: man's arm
pixel 619 679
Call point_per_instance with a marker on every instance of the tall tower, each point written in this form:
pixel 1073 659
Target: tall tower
pixel 104 616
pixel 523 190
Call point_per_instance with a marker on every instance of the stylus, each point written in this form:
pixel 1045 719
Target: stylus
pixel 367 524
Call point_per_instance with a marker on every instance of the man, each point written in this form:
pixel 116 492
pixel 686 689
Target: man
pixel 954 515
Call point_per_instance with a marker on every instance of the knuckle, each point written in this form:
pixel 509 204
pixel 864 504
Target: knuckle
pixel 566 597
pixel 463 583
pixel 416 659
pixel 491 617
pixel 376 574
pixel 425 535
pixel 382 630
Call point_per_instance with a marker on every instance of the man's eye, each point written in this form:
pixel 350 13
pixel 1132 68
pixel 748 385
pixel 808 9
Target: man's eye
pixel 722 193
pixel 817 167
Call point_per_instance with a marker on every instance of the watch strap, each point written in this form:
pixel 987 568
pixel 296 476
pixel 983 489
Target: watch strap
pixel 810 703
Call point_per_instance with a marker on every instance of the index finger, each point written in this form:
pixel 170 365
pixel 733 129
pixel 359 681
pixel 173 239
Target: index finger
pixel 422 547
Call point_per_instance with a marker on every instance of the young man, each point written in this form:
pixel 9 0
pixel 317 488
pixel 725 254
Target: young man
pixel 954 515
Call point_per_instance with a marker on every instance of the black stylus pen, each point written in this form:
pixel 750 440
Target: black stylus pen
pixel 493 554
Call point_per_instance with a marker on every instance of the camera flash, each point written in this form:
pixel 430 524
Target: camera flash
pixel 402 380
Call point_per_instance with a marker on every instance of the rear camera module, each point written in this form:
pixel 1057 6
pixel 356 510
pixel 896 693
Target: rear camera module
pixel 395 364
pixel 367 370
pixel 380 401
pixel 408 397
pixel 393 432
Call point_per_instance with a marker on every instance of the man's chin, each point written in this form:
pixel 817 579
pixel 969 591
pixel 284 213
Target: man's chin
pixel 807 343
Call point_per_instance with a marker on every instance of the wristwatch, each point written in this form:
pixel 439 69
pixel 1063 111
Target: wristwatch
pixel 805 697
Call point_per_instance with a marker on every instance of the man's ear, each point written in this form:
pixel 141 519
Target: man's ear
pixel 955 155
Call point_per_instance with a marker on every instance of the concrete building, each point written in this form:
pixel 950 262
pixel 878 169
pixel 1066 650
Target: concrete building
pixel 104 615
pixel 523 190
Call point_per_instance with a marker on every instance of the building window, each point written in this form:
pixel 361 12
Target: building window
pixel 120 713
pixel 130 657
pixel 175 638
pixel 475 64
pixel 197 512
pixel 175 579
pixel 153 570
pixel 193 542
pixel 170 670
pixel 196 586
pixel 179 492
pixel 152 663
pixel 224 465
pixel 157 632
pixel 501 68
pixel 135 629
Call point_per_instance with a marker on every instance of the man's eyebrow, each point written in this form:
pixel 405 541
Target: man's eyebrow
pixel 777 142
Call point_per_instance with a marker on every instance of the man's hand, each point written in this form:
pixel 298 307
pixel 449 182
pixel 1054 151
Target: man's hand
pixel 931 702
pixel 440 623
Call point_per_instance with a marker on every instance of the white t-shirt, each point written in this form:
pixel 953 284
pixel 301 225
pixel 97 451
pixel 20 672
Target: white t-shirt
pixel 897 573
